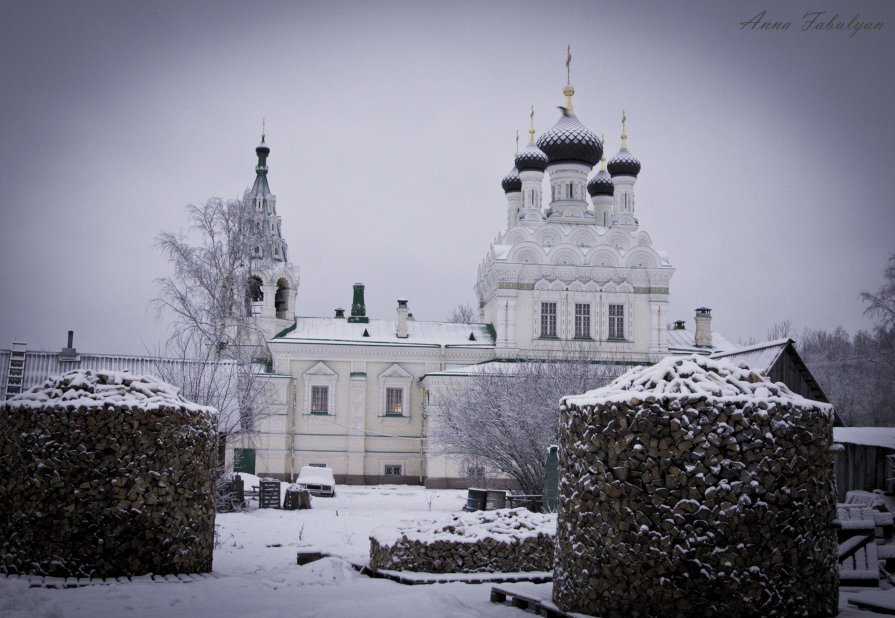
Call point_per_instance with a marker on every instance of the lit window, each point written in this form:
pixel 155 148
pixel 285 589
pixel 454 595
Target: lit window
pixel 394 401
pixel 392 469
pixel 548 319
pixel 582 321
pixel 616 321
pixel 319 400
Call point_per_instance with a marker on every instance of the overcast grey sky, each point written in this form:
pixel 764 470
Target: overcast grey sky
pixel 767 156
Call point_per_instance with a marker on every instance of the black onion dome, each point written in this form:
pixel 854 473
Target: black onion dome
pixel 601 184
pixel 262 147
pixel 531 158
pixel 569 140
pixel 511 182
pixel 623 164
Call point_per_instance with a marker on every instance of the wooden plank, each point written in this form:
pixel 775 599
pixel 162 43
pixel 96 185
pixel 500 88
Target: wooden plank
pixel 851 545
pixel 874 602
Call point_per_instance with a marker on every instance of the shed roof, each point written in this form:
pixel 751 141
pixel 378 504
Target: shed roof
pixel 760 357
pixel 865 436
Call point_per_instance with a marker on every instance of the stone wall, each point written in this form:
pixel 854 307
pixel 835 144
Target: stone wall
pixel 502 541
pixel 106 474
pixel 696 488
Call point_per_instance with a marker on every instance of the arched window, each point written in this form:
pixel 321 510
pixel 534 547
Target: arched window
pixel 254 294
pixel 281 300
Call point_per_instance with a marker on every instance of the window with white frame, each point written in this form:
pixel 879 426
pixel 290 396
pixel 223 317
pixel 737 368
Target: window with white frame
pixel 582 321
pixel 319 400
pixel 394 392
pixel 548 319
pixel 320 390
pixel 392 469
pixel 394 401
pixel 616 321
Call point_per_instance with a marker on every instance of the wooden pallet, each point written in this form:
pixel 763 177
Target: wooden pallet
pixel 535 598
pixel 883 603
pixel 39 581
pixel 414 578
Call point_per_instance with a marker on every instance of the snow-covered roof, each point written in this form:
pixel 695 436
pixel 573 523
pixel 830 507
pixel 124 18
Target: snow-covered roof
pixel 493 368
pixel 683 341
pixel 866 436
pixel 479 369
pixel 382 332
pixel 689 376
pixel 759 357
pixel 97 390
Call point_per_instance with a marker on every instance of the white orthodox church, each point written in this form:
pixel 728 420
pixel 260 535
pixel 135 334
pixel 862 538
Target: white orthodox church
pixel 573 273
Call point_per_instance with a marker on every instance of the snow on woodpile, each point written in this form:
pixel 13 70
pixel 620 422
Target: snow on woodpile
pixel 504 540
pixel 95 390
pixel 695 487
pixel 107 474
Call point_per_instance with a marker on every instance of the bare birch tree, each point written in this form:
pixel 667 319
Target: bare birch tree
pixel 506 417
pixel 214 341
pixel 463 314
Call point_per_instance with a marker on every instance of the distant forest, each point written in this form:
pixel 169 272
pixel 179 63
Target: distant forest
pixel 857 372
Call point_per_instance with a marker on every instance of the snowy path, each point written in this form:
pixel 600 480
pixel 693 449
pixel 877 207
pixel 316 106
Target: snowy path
pixel 255 580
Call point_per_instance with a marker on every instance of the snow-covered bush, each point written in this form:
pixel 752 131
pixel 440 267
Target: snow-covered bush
pixel 694 487
pixel 505 540
pixel 106 474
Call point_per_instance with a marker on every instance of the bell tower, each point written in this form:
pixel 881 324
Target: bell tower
pixel 272 279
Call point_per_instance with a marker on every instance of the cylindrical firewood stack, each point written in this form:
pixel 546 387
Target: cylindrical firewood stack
pixel 695 487
pixel 106 474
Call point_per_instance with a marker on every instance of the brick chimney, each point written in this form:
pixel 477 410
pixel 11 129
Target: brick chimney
pixel 69 353
pixel 703 327
pixel 401 331
pixel 358 306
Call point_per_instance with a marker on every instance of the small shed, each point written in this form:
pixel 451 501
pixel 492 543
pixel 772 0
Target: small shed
pixel 781 362
pixel 865 460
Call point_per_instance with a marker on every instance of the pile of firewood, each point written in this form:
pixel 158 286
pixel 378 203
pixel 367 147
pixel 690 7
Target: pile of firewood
pixel 107 474
pixel 696 489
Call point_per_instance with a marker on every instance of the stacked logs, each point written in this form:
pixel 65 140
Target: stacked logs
pixel 106 474
pixel 696 488
pixel 520 541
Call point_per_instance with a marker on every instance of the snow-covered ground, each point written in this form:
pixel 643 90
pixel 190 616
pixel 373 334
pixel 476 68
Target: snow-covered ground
pixel 256 575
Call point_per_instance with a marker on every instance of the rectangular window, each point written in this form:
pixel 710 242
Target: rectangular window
pixel 394 402
pixel 616 321
pixel 317 465
pixel 570 191
pixel 548 319
pixel 319 400
pixel 392 470
pixel 582 321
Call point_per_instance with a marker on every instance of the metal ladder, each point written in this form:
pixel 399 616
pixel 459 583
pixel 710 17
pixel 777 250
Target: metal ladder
pixel 15 371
